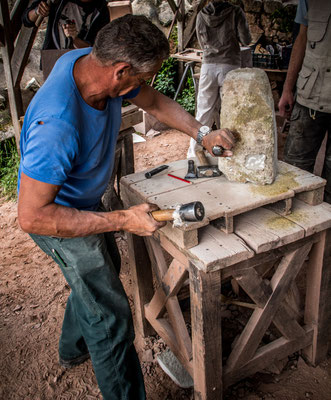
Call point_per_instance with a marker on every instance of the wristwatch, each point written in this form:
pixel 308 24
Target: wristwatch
pixel 203 131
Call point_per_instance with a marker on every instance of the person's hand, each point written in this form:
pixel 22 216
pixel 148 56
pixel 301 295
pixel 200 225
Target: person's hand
pixel 139 221
pixel 285 104
pixel 221 137
pixel 70 30
pixel 42 9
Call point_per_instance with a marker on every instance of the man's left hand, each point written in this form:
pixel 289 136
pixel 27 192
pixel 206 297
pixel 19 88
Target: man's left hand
pixel 221 137
pixel 70 30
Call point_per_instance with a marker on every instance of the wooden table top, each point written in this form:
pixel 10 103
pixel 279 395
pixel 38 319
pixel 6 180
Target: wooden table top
pixel 256 229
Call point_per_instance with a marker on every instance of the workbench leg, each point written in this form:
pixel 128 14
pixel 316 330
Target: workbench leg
pixel 318 298
pixel 205 291
pixel 142 278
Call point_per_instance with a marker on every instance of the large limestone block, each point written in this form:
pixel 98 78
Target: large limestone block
pixel 248 110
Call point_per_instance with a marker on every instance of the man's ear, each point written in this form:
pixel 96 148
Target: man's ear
pixel 122 69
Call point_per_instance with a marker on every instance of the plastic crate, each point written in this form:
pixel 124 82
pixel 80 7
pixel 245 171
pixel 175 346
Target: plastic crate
pixel 269 61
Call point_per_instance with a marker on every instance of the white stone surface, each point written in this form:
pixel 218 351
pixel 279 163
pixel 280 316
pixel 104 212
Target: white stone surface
pixel 248 110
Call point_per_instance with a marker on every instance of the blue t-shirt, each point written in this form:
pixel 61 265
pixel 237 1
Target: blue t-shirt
pixel 66 142
pixel 301 15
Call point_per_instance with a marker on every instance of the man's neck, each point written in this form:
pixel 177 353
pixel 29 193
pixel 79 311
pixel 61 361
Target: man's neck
pixel 88 77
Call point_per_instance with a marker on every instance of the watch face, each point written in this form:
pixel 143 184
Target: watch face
pixel 204 129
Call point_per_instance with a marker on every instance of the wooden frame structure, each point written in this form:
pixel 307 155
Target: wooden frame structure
pixel 267 254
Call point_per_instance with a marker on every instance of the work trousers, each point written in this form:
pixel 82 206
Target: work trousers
pixel 97 318
pixel 209 96
pixel 306 134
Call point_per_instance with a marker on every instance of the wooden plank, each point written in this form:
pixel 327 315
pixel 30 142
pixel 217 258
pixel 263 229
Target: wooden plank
pixel 218 250
pixel 282 207
pixel 206 333
pixel 249 340
pixel 173 250
pixel 14 93
pixel 264 230
pixel 276 350
pixel 21 52
pixel 141 274
pixel 131 119
pixel 260 292
pixel 312 197
pixel 171 284
pixel 318 295
pixel 165 331
pixel 179 327
pixel 311 219
pixel 287 324
pixel 2 36
pixel 254 286
pixel 16 16
pixel 184 239
pixel 268 257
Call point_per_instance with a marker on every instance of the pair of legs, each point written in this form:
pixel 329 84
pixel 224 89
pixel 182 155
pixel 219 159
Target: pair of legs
pixel 209 96
pixel 306 134
pixel 97 318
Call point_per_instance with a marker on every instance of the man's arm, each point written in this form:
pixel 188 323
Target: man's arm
pixel 41 9
pixel 172 114
pixel 298 52
pixel 37 213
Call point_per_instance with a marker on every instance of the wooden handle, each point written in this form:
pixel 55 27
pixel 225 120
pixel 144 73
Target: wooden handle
pixel 163 215
pixel 201 157
pixel 40 17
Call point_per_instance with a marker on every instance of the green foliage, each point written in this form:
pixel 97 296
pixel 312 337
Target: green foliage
pixel 9 162
pixel 285 18
pixel 187 96
pixel 166 78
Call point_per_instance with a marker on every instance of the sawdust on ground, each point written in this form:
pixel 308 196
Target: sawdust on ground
pixel 33 295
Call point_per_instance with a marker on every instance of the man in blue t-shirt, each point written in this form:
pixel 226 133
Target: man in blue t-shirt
pixel 67 144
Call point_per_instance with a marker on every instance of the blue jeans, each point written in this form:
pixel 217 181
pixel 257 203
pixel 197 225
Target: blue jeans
pixel 97 317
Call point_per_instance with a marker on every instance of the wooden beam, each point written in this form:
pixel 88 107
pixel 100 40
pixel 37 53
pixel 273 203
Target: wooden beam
pixel 260 320
pixel 21 53
pixel 2 36
pixel 16 16
pixel 14 93
pixel 174 9
pixel 205 292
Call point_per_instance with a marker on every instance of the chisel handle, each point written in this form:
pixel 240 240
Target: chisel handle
pixel 163 215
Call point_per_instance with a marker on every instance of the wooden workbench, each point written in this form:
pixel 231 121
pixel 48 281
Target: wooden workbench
pixel 266 239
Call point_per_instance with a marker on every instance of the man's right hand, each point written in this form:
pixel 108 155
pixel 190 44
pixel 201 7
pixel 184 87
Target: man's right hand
pixel 140 221
pixel 285 104
pixel 43 9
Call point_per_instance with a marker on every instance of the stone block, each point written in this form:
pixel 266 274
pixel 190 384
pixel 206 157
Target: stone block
pixel 248 110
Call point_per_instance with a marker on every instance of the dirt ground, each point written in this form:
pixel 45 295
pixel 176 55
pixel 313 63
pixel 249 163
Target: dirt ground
pixel 33 295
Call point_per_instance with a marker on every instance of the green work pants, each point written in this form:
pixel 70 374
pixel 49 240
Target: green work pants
pixel 97 317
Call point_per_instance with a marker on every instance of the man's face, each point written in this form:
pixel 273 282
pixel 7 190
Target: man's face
pixel 131 82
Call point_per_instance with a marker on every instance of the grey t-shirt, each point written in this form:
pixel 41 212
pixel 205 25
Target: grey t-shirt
pixel 301 15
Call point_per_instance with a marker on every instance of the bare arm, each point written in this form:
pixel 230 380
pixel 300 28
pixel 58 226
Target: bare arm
pixel 172 114
pixel 298 52
pixel 37 213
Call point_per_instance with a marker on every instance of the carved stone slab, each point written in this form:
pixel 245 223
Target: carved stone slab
pixel 248 110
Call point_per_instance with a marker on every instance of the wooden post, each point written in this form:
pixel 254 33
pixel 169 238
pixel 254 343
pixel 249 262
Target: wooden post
pixel 318 298
pixel 205 292
pixel 14 92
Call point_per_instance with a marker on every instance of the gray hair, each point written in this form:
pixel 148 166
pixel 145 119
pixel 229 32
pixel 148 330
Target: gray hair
pixel 132 39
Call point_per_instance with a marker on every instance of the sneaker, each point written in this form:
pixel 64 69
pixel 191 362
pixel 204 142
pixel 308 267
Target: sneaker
pixel 74 361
